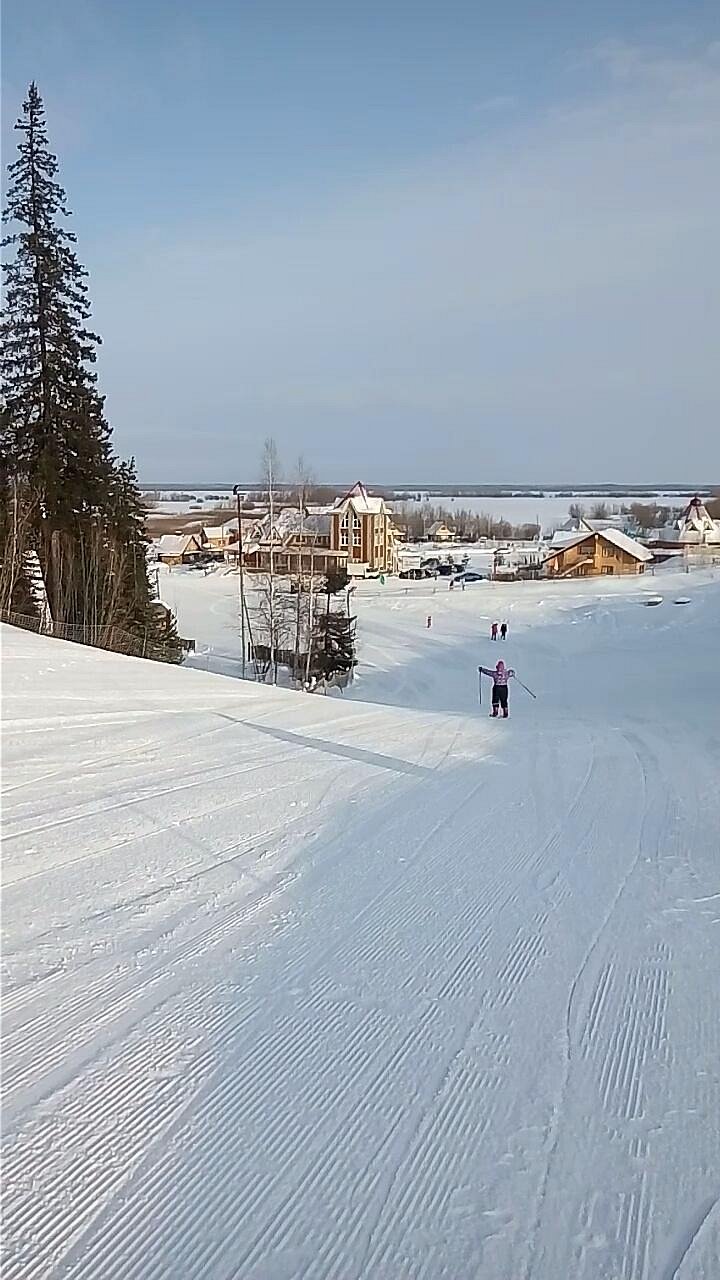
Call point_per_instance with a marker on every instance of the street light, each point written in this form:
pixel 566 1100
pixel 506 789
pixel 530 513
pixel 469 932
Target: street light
pixel 241 579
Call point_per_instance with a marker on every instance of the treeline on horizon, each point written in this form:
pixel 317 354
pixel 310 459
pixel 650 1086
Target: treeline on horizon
pixel 415 520
pixel 401 493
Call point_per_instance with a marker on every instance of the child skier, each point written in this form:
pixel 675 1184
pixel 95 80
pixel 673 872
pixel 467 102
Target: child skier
pixel 494 631
pixel 500 677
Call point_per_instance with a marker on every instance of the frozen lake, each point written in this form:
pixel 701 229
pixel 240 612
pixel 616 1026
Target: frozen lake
pixel 549 511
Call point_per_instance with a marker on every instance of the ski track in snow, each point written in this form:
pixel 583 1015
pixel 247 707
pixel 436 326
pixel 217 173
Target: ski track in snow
pixel 308 987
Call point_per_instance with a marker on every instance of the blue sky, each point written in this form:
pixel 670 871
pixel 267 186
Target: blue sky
pixel 429 241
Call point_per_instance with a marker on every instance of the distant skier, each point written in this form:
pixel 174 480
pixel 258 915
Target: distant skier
pixel 494 631
pixel 500 676
pixel 428 623
pixel 503 630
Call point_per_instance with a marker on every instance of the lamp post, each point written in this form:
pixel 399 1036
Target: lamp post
pixel 241 578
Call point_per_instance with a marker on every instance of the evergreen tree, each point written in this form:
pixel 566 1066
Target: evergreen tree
pixel 333 648
pixel 88 525
pixel 53 429
pixel 337 579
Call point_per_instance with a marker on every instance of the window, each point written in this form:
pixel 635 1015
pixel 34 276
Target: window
pixel 344 527
pixel 357 531
pixel 608 568
pixel 608 551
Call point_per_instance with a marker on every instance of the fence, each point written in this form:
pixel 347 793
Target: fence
pixel 113 639
pixel 262 653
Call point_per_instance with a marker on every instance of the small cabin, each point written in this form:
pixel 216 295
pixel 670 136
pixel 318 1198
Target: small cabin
pixel 439 531
pixel 178 548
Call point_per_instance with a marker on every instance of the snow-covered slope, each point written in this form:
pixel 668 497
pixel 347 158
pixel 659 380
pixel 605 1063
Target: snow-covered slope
pixel 307 987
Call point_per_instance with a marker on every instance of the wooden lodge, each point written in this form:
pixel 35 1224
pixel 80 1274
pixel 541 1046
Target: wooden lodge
pixel 356 534
pixel 597 552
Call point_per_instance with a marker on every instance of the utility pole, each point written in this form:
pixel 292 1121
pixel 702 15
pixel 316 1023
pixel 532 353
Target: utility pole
pixel 270 468
pixel 241 579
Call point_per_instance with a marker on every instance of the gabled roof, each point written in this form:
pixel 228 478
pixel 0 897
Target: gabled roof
pixel 177 544
pixel 437 525
pixel 288 523
pixel 619 539
pixel 561 540
pixel 599 526
pixel 361 500
pixel 576 524
pixel 248 547
pixel 625 543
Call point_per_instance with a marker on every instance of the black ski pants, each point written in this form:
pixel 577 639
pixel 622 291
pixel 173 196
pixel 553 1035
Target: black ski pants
pixel 500 696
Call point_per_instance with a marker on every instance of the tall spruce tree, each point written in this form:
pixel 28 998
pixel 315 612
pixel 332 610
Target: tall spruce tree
pixel 86 517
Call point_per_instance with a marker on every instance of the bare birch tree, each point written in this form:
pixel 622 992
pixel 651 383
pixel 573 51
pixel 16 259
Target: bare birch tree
pixel 304 480
pixel 271 475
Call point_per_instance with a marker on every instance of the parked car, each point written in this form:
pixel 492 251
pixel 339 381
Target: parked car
pixel 471 575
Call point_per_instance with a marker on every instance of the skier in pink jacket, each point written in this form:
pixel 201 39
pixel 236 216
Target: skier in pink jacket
pixel 500 676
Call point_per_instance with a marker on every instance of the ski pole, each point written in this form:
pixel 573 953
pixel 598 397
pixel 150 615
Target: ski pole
pixel 524 686
pixel 479 688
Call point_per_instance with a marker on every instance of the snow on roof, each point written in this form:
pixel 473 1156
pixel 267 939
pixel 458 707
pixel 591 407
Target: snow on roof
pixel 213 531
pixel 562 539
pixel 697 525
pixel 695 513
pixel 599 526
pixel 576 523
pixel 625 543
pixel 562 542
pixel 437 525
pixel 289 521
pixel 318 523
pixel 361 500
pixel 176 544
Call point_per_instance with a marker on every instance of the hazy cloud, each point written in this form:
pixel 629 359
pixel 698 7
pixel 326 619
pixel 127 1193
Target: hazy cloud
pixel 500 103
pixel 543 302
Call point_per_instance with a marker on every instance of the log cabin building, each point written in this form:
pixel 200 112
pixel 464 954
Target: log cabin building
pixel 597 552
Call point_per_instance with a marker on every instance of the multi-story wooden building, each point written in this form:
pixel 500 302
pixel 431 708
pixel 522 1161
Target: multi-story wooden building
pixel 361 525
pixel 356 533
pixel 607 551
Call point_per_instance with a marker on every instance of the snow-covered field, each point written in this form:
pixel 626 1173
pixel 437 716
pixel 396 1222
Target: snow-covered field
pixel 369 986
pixel 550 510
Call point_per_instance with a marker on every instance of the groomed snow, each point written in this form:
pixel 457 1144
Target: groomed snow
pixel 370 987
